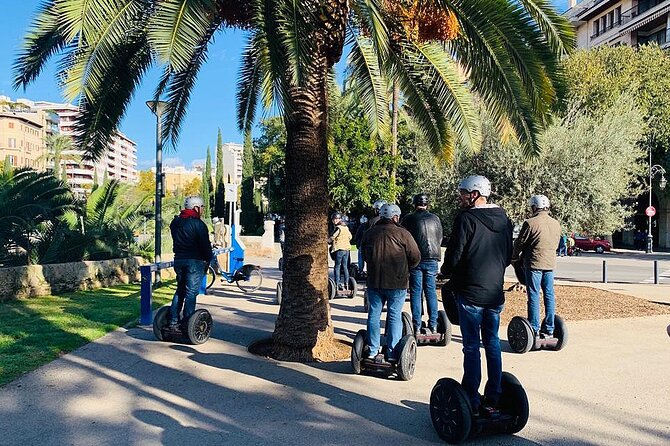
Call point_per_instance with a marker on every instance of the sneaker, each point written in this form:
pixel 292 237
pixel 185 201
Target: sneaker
pixel 546 335
pixel 428 331
pixel 174 328
pixel 488 411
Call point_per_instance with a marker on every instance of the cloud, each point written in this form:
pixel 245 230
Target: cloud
pixel 145 164
pixel 200 162
pixel 173 161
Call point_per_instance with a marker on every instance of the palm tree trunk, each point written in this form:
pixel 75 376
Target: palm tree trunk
pixel 304 330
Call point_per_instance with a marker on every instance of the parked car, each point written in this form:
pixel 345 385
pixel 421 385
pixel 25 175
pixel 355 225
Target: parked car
pixel 592 244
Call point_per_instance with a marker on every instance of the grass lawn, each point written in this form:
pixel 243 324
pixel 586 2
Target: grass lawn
pixel 37 330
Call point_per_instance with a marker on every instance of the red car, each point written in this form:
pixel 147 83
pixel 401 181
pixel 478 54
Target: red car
pixel 592 244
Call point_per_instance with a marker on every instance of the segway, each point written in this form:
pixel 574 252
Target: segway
pixel 349 292
pixel 379 365
pixel 520 334
pixel 453 418
pixel 441 338
pixel 196 328
pixel 354 271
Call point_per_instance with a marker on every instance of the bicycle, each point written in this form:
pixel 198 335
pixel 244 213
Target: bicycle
pixel 248 278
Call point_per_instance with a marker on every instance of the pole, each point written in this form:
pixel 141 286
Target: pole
pixel 604 271
pixel 159 191
pixel 650 237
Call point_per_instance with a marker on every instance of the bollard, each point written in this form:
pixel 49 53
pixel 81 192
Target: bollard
pixel 604 271
pixel 656 272
pixel 146 292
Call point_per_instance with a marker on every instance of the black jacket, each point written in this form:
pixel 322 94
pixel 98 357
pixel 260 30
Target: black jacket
pixel 426 229
pixel 479 250
pixel 190 239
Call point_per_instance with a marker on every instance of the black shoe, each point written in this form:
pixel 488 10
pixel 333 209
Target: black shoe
pixel 174 329
pixel 488 409
pixel 546 335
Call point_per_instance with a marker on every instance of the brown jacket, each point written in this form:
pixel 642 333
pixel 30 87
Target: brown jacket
pixel 390 251
pixel 538 241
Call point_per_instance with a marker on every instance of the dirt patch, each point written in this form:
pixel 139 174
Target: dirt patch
pixel 575 303
pixel 341 350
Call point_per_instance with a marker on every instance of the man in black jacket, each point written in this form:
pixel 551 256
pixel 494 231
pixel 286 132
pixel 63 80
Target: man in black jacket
pixel 426 229
pixel 480 248
pixel 192 254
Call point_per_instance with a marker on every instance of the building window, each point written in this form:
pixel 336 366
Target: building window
pixel 617 15
pixel 596 28
pixel 12 160
pixel 11 125
pixel 12 143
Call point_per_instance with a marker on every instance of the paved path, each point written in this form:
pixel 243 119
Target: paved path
pixel 611 385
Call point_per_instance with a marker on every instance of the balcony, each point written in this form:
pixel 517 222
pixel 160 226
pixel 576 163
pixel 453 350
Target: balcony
pixel 661 38
pixel 644 12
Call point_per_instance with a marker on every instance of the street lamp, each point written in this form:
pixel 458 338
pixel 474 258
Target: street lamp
pixel 158 108
pixel 653 171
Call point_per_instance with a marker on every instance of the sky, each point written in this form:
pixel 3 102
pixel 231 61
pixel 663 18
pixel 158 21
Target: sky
pixel 212 104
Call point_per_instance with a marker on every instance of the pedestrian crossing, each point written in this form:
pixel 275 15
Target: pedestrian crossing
pixel 663 276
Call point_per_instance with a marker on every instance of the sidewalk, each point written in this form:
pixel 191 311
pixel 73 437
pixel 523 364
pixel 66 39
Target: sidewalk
pixel 610 385
pixel 659 293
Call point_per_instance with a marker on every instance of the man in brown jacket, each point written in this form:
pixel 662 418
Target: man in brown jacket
pixel 390 252
pixel 536 248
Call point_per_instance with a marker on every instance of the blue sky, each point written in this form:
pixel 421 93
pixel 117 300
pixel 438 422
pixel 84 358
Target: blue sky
pixel 212 103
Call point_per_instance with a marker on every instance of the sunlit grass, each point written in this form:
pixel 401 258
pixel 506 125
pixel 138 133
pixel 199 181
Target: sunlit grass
pixel 37 330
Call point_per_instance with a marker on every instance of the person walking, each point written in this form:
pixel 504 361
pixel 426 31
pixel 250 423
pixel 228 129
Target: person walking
pixel 535 248
pixel 426 229
pixel 340 247
pixel 192 254
pixel 390 252
pixel 480 248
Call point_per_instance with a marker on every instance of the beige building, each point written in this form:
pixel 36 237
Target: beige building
pixel 232 162
pixel 177 178
pixel 119 162
pixel 22 134
pixel 620 22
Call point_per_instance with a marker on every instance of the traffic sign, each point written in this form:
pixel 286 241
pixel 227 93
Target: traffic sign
pixel 650 211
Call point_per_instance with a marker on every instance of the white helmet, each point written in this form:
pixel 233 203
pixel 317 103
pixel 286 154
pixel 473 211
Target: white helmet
pixel 215 220
pixel 389 210
pixel 378 204
pixel 193 201
pixel 476 183
pixel 539 201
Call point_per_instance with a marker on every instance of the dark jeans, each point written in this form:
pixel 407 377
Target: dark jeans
pixel 422 279
pixel 189 277
pixel 342 263
pixel 472 319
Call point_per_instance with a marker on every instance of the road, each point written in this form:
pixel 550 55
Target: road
pixel 622 267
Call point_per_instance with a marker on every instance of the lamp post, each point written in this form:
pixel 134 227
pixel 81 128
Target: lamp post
pixel 654 170
pixel 158 108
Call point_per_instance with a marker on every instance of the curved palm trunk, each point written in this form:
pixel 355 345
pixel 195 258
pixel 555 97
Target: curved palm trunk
pixel 304 331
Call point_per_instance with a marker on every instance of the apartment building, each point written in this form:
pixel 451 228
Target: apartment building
pixel 178 177
pixel 233 156
pixel 119 162
pixel 23 132
pixel 620 22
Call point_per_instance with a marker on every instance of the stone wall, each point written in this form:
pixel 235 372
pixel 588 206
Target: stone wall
pixel 43 280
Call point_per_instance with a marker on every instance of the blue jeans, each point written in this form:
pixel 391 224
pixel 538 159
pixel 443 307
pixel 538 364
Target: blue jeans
pixel 422 279
pixel 474 319
pixel 189 277
pixel 361 262
pixel 341 262
pixel 537 279
pixel 394 299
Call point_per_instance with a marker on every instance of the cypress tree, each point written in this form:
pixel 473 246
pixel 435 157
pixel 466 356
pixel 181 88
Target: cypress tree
pixel 249 217
pixel 205 187
pixel 219 198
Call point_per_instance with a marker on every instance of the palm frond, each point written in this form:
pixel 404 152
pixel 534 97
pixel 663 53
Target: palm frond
pixel 42 41
pixel 365 77
pixel 560 35
pixel 248 86
pixel 177 27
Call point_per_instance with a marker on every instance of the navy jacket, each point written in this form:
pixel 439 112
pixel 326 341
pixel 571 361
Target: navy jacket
pixel 190 239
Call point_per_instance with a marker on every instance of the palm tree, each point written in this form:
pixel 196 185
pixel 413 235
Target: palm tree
pixel 59 148
pixel 507 49
pixel 31 201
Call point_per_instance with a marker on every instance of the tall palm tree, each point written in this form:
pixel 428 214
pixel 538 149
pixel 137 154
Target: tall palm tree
pixel 59 148
pixel 508 50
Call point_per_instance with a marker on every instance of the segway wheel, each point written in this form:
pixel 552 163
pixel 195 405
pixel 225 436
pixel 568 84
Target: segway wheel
pixel 443 327
pixel 353 270
pixel 407 358
pixel 280 264
pixel 366 304
pixel 353 287
pixel 278 295
pixel 520 335
pixel 514 402
pixel 449 303
pixel 407 326
pixel 331 289
pixel 161 320
pixel 211 276
pixel 357 351
pixel 450 411
pixel 199 327
pixel 560 332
